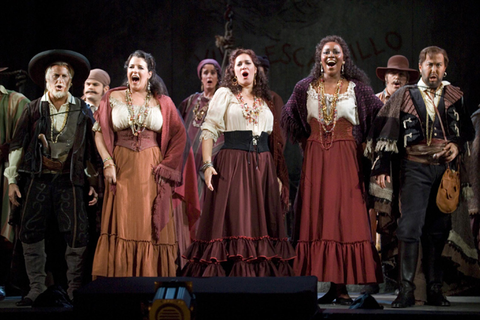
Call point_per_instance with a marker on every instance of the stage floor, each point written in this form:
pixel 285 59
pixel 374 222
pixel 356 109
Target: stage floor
pixel 462 307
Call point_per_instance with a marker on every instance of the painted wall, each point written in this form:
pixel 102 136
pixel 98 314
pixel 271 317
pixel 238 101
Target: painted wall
pixel 181 33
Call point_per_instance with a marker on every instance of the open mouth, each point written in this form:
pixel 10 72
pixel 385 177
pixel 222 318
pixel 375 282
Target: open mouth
pixel 331 62
pixel 135 78
pixel 209 81
pixel 245 74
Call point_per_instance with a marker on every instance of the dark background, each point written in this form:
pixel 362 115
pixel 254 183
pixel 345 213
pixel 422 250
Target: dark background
pixel 180 33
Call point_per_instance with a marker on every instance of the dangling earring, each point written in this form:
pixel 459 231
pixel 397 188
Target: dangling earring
pixel 254 79
pixel 343 68
pixel 201 89
pixel 321 69
pixel 148 85
pixel 235 81
pixel 445 74
pixel 128 85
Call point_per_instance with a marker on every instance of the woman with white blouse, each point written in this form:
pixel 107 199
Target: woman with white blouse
pixel 141 139
pixel 241 230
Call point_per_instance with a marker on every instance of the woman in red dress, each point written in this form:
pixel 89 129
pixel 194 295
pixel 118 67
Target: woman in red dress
pixel 330 113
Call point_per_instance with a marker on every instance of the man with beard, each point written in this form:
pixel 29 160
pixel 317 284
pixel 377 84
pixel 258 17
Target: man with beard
pixel 426 125
pixel 96 85
pixel 48 154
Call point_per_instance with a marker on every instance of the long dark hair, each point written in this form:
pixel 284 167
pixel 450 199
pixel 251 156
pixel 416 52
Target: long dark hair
pixel 155 85
pixel 260 89
pixel 351 71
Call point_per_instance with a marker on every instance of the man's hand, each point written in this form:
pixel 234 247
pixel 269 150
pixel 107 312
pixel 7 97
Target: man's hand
pixel 380 180
pixel 95 197
pixel 13 194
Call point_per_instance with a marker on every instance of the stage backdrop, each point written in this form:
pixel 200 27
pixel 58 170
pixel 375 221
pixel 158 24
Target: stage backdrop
pixel 180 33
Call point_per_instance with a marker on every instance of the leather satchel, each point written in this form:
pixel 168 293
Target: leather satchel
pixel 449 191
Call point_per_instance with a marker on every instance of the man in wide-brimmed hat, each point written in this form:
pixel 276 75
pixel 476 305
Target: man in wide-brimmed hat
pixel 395 75
pixel 425 127
pixel 11 106
pixel 48 154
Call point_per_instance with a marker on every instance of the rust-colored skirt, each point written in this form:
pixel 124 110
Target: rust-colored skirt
pixel 127 247
pixel 334 229
pixel 241 230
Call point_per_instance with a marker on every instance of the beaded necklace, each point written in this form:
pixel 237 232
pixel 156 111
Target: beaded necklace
pixel 250 113
pixel 199 113
pixel 137 123
pixel 328 121
pixel 52 126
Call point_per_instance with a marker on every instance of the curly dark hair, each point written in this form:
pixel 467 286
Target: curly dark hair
pixel 352 72
pixel 155 85
pixel 260 89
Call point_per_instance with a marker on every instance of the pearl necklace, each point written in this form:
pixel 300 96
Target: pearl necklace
pixel 328 121
pixel 251 114
pixel 137 123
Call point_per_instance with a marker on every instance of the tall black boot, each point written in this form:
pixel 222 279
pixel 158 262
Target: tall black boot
pixel 432 255
pixel 408 253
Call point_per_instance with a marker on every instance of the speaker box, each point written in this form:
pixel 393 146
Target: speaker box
pixel 216 298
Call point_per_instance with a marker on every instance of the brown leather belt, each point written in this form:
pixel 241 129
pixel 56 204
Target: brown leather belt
pixel 51 164
pixel 424 153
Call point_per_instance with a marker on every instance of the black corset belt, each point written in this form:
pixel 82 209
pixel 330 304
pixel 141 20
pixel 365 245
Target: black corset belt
pixel 244 140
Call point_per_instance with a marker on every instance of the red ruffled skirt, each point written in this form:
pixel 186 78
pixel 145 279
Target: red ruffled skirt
pixel 241 230
pixel 333 225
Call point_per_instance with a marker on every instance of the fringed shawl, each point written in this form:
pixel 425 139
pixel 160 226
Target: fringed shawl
pixel 172 142
pixel 386 129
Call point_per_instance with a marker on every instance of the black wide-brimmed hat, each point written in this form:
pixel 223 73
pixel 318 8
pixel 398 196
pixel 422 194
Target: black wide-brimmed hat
pixel 41 61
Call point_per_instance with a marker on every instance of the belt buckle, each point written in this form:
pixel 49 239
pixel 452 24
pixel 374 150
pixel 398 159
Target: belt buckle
pixel 255 140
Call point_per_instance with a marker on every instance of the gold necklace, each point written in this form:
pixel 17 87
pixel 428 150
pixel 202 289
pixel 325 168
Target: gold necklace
pixel 429 138
pixel 137 123
pixel 323 107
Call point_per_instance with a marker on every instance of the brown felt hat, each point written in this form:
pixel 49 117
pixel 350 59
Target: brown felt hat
pixel 40 62
pixel 399 63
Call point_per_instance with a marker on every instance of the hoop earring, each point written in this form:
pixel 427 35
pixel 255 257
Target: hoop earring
pixel 235 81
pixel 445 74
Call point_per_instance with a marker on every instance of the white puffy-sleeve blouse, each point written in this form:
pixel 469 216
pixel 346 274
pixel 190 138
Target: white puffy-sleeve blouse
pixel 121 116
pixel 225 114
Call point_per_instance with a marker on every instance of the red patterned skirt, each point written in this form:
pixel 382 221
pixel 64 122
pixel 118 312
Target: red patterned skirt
pixel 334 228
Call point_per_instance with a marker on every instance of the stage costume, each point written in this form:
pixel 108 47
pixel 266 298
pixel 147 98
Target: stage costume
pixel 11 105
pixel 401 128
pixel 53 184
pixel 241 230
pixel 138 236
pixel 194 109
pixel 332 226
